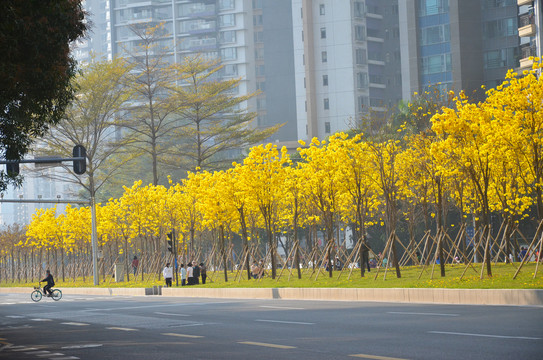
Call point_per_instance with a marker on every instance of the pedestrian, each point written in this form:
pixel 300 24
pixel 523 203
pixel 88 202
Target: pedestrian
pixel 168 274
pixel 183 275
pixel 365 257
pixel 50 283
pixel 196 274
pixel 135 264
pixel 190 274
pixel 203 273
pixel 255 270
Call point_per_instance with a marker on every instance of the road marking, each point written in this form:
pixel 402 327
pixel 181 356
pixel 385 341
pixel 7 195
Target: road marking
pixel 183 335
pixel 74 324
pixel 38 353
pixel 24 349
pixel 170 314
pixel 281 307
pixel 51 354
pixel 120 328
pixel 162 305
pixel 415 313
pixel 66 358
pixel 41 319
pixel 81 346
pixel 375 357
pixel 286 322
pixel 485 335
pixel 15 316
pixel 276 346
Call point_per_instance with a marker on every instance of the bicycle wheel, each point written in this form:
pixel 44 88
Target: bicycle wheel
pixel 36 295
pixel 56 295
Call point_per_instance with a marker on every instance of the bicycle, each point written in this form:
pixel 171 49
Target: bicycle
pixel 37 294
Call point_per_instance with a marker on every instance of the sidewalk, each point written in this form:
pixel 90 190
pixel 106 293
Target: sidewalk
pixel 518 297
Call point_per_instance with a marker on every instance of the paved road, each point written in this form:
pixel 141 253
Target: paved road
pixel 95 327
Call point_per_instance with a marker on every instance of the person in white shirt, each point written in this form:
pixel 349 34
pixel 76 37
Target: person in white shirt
pixel 190 275
pixel 168 274
pixel 183 273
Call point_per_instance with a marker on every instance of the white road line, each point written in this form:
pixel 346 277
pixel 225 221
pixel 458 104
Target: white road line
pixel 51 354
pixel 162 305
pixel 485 335
pixel 66 358
pixel 81 346
pixel 24 349
pixel 183 335
pixel 74 324
pixel 15 316
pixel 276 346
pixel 416 313
pixel 120 328
pixel 170 314
pixel 286 322
pixel 41 319
pixel 375 357
pixel 281 307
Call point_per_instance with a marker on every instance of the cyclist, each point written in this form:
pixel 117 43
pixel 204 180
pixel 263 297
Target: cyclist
pixel 50 283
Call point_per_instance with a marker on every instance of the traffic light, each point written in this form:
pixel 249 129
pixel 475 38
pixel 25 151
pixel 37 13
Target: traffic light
pixel 12 169
pixel 80 166
pixel 170 242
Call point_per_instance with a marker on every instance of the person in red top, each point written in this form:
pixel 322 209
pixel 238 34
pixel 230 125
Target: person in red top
pixel 135 264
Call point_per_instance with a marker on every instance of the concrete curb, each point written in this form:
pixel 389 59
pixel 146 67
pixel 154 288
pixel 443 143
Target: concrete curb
pixel 533 297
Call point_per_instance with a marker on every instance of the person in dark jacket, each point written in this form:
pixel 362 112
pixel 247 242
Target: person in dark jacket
pixel 196 271
pixel 203 272
pixel 50 283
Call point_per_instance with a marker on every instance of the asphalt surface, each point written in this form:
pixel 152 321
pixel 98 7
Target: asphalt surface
pixel 155 327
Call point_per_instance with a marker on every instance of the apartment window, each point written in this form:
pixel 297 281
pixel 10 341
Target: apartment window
pixel 226 4
pixel 326 104
pixel 359 33
pixel 325 80
pixel 327 127
pixel 435 34
pixel 500 28
pixel 257 20
pixel 261 104
pixel 436 64
pixel 361 56
pixel 227 20
pixel 259 53
pixel 322 9
pixel 362 102
pixel 260 70
pixel 229 54
pixel 261 85
pixel 323 33
pixel 361 80
pixel 259 36
pixel 358 9
pixel 228 37
pixel 324 56
pixel 433 7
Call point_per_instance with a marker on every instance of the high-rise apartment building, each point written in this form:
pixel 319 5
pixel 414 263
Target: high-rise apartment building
pixel 346 56
pixel 458 44
pixel 530 31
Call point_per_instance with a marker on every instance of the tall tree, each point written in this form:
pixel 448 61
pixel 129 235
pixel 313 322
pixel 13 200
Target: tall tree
pixel 91 121
pixel 151 121
pixel 217 121
pixel 35 70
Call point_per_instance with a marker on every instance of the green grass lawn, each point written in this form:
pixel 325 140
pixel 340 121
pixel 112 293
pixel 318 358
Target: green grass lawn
pixel 502 279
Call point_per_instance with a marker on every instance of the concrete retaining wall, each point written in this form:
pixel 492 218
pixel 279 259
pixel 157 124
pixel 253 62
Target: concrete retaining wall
pixel 409 295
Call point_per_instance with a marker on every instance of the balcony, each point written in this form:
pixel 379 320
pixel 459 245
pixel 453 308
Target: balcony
pixel 525 53
pixel 524 2
pixel 526 24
